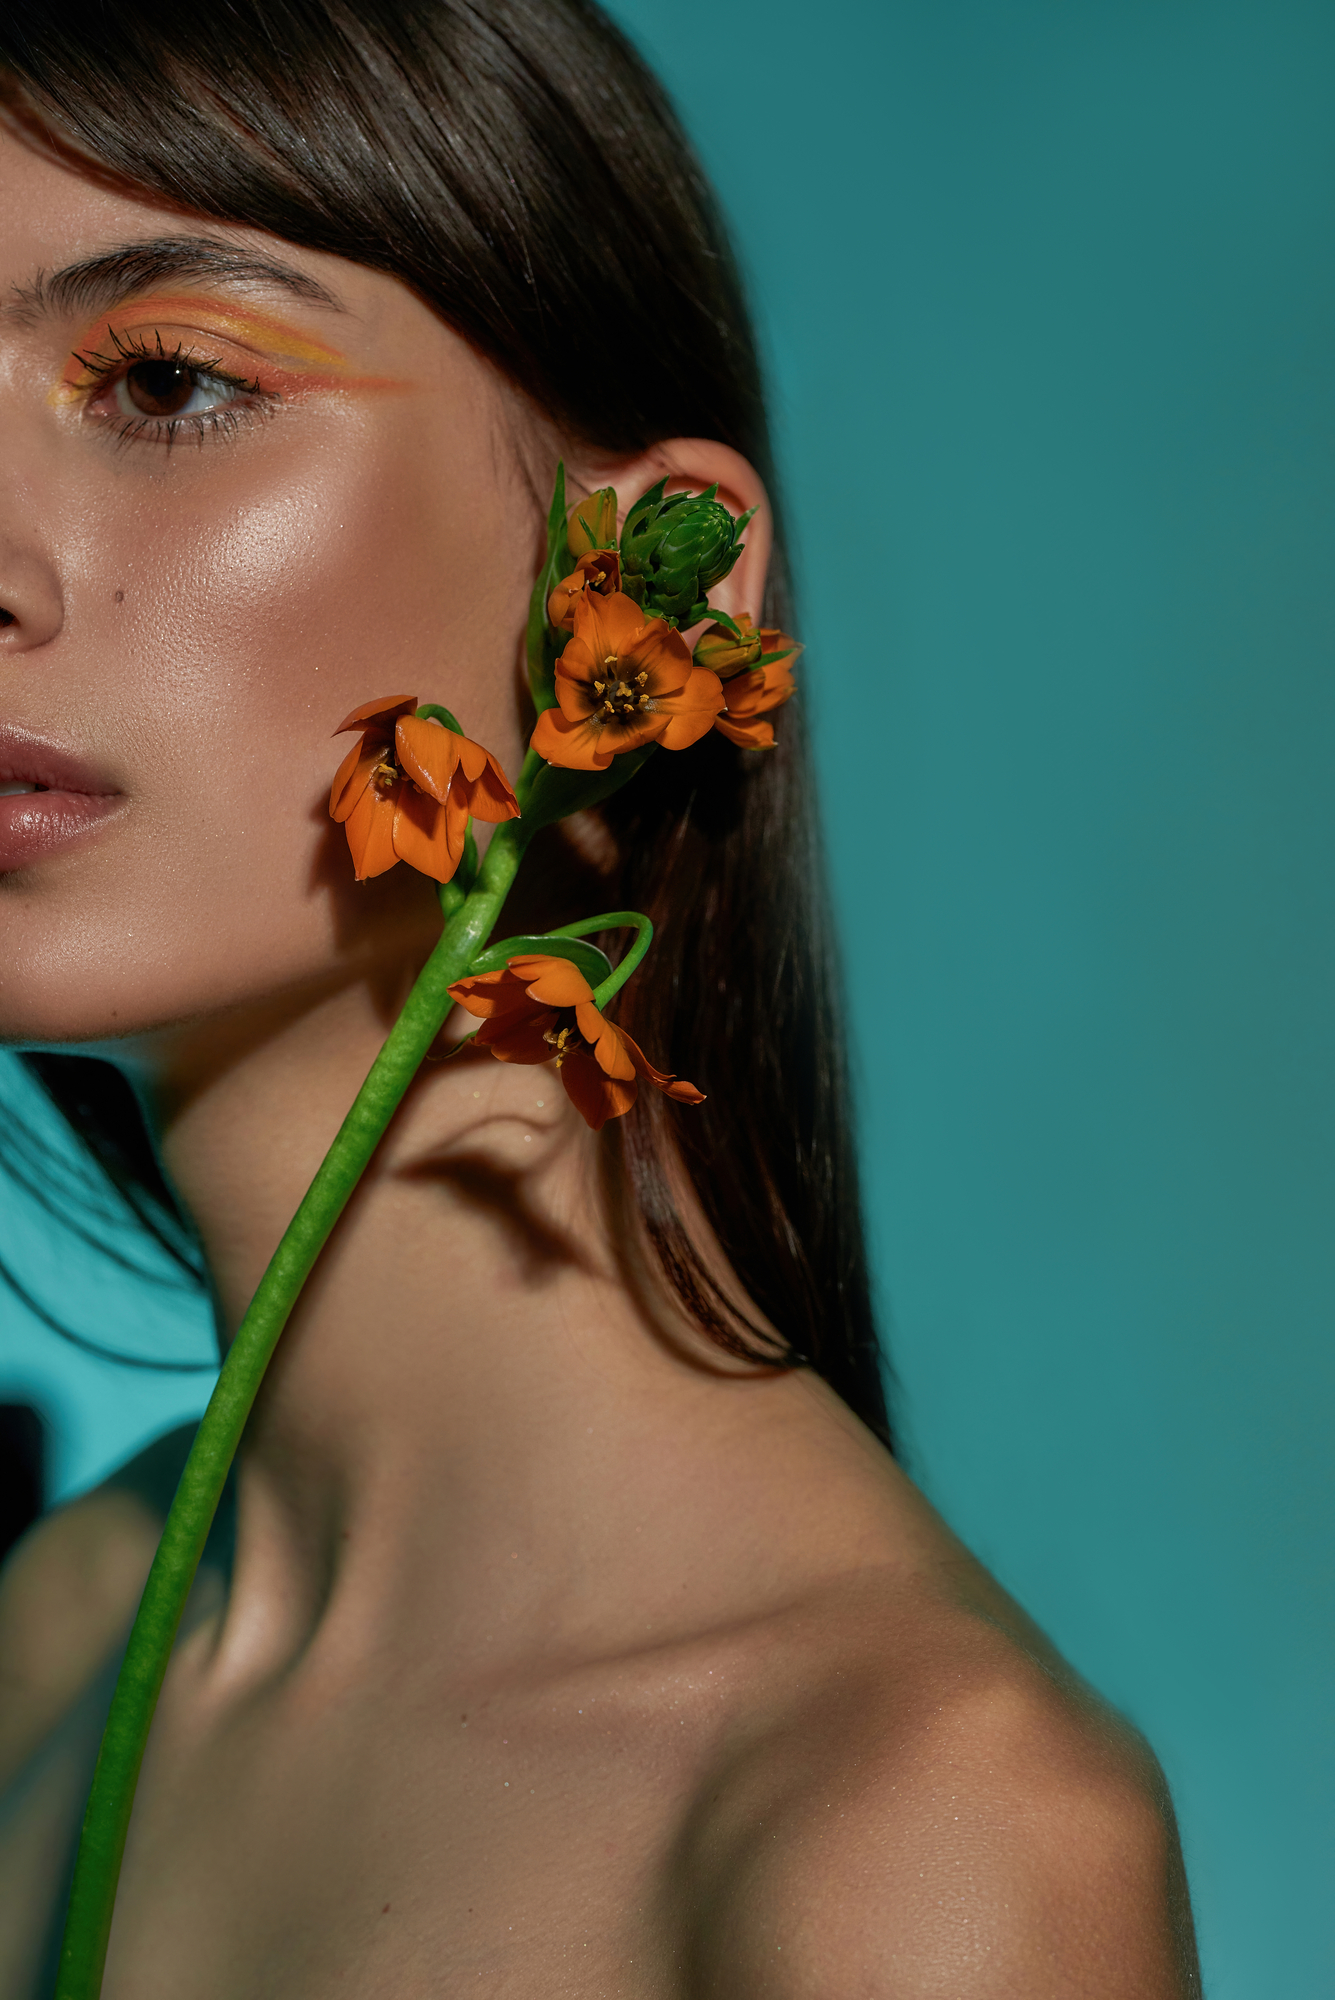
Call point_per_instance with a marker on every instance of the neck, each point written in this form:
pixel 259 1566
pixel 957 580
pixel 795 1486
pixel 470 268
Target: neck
pixel 465 1373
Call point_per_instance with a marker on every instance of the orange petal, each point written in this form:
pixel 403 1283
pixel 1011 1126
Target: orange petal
pixel 519 1040
pixel 576 672
pixel 595 1096
pixel 609 1045
pixel 670 1085
pixel 662 654
pixel 764 688
pixel 700 691
pixel 772 640
pixel 571 746
pixel 620 734
pixel 428 752
pixel 609 624
pixel 560 603
pixel 589 1021
pixel 473 759
pixel 758 735
pixel 370 830
pixel 682 1092
pixel 690 714
pixel 488 993
pixel 554 982
pixel 486 791
pixel 379 715
pixel 422 835
pixel 351 779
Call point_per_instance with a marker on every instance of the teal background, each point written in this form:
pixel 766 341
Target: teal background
pixel 1048 297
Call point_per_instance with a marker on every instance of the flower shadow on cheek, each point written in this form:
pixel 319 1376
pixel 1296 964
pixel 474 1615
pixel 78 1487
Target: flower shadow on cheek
pixel 401 903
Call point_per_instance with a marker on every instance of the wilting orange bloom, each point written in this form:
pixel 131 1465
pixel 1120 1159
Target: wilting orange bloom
pixel 624 680
pixel 407 788
pixel 748 696
pixel 599 571
pixel 541 1009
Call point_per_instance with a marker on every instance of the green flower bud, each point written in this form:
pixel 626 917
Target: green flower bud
pixel 677 549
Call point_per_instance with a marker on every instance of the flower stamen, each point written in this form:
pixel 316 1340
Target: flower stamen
pixel 563 1040
pixel 620 697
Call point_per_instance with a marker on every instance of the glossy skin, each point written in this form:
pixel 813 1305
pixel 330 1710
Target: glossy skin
pixel 558 1659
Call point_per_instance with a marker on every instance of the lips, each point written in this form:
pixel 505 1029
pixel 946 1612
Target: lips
pixel 49 797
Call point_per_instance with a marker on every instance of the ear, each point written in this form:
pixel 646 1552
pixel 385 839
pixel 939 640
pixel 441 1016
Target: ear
pixel 695 463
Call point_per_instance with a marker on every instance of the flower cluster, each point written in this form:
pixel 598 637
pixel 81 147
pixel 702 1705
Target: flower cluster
pixel 625 678
pixel 613 673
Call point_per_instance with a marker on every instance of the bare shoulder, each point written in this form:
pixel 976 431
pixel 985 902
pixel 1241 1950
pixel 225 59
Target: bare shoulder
pixel 934 1806
pixel 68 1590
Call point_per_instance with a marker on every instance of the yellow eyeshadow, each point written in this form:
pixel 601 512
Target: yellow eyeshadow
pixel 247 329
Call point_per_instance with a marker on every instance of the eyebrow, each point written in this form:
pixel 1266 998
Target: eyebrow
pixel 96 284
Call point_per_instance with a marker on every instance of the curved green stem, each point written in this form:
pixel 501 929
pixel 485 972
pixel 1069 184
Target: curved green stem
pixel 613 920
pixel 107 1818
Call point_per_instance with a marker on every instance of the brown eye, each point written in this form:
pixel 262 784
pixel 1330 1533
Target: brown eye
pixel 164 388
pixel 159 388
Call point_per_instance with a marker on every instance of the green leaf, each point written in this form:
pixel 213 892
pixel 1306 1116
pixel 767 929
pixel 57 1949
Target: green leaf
pixel 586 958
pixel 768 659
pixel 650 498
pixel 722 618
pixel 542 651
pixel 555 794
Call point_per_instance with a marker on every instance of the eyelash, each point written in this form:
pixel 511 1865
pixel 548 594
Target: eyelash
pixel 225 421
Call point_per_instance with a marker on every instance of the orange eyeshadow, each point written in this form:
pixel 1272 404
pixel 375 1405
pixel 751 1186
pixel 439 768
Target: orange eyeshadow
pixel 300 362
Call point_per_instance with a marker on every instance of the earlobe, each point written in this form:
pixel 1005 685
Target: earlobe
pixel 695 463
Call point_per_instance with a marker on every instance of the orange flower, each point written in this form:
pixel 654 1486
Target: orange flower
pixel 600 571
pixel 747 696
pixel 406 789
pixel 623 681
pixel 540 1008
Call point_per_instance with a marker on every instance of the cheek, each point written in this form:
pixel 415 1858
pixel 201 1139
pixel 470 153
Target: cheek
pixel 372 566
pixel 222 619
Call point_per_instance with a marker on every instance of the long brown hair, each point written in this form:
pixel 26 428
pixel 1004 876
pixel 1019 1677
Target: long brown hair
pixel 515 163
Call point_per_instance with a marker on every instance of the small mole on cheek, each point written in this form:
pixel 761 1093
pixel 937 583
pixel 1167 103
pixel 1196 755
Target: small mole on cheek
pixel 120 597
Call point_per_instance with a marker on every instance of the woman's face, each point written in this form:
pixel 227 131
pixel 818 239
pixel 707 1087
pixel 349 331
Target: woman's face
pixel 243 489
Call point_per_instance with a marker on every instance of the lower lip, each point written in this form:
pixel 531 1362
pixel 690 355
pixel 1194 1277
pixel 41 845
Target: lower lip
pixel 35 824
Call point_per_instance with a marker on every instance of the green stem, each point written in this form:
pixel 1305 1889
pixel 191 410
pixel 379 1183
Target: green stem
pixel 107 1818
pixel 613 920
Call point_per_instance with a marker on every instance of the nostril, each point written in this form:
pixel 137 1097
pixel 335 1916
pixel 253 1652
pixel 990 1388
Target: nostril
pixel 6 617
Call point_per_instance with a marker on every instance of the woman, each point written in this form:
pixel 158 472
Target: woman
pixel 581 1634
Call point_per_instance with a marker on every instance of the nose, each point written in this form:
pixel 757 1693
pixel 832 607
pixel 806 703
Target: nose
pixel 32 609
